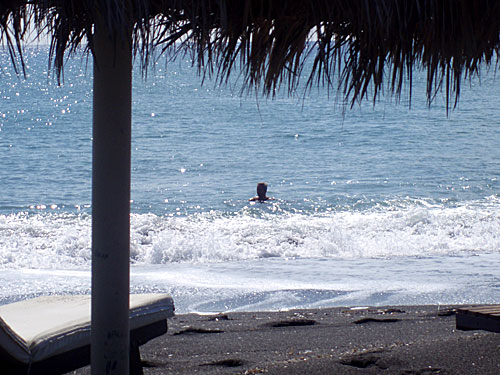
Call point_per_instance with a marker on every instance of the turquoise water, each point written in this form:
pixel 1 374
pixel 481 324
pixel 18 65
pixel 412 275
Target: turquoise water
pixel 374 204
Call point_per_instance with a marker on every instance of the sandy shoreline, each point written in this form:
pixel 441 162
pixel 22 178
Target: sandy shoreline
pixel 379 340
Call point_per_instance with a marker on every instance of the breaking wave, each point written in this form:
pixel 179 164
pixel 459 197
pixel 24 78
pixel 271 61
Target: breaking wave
pixel 62 240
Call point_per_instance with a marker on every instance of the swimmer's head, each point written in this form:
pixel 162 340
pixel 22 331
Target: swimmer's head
pixel 261 189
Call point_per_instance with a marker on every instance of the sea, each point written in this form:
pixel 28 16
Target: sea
pixel 389 202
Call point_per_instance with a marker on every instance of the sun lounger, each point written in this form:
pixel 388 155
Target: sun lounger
pixel 51 335
pixel 486 318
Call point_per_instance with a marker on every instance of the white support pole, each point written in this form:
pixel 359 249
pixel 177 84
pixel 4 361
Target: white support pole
pixel 111 204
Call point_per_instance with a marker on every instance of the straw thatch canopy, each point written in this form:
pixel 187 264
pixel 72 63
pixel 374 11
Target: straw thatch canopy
pixel 359 47
pixel 370 45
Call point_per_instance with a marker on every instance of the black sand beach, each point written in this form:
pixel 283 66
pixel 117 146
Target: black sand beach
pixel 403 340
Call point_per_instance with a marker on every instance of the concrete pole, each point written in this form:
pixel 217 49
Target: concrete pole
pixel 111 204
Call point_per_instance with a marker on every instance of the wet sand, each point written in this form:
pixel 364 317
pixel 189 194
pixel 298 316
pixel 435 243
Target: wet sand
pixel 381 340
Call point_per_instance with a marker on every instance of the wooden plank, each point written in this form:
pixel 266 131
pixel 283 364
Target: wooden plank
pixel 486 318
pixel 491 310
pixel 482 308
pixel 485 309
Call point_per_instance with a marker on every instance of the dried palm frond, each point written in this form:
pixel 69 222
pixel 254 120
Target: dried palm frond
pixel 357 46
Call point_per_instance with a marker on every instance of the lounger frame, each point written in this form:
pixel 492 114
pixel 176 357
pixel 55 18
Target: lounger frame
pixel 80 357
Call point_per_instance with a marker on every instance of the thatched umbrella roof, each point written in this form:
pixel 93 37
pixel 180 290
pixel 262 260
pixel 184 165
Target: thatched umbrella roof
pixel 357 47
pixel 366 44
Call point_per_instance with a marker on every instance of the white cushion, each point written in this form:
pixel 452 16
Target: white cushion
pixel 42 327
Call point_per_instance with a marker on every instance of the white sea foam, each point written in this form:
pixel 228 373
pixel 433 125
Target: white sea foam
pixel 62 240
pixel 39 241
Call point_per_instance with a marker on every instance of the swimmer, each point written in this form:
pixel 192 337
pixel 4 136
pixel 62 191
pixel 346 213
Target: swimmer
pixel 261 193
